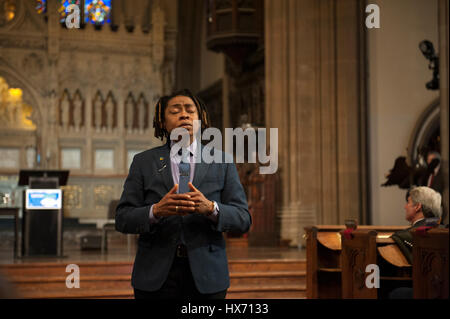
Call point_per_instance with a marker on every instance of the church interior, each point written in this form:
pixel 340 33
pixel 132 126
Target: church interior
pixel 358 93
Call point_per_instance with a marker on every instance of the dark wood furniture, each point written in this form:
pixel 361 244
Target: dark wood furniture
pixel 430 264
pixel 13 211
pixel 358 251
pixel 323 251
pixel 389 268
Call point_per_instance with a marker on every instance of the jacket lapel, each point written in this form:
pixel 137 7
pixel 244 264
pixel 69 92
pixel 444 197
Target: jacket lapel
pixel 200 170
pixel 164 168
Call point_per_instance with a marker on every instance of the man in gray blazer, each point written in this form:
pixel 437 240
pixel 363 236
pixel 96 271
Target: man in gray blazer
pixel 180 206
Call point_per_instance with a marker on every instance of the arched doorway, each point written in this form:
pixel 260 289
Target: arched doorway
pixel 18 123
pixel 426 136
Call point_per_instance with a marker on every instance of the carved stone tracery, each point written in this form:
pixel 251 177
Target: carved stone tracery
pixel 60 72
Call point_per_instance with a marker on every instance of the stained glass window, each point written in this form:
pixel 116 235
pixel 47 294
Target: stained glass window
pixel 63 8
pixel 97 11
pixel 41 6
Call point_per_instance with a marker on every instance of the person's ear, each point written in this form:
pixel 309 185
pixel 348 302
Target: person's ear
pixel 418 207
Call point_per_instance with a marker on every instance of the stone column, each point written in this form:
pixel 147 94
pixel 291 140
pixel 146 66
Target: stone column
pixel 351 108
pixel 50 150
pixel 121 95
pixel 88 152
pixel 189 51
pixel 291 76
pixel 314 97
pixel 443 71
pixel 158 22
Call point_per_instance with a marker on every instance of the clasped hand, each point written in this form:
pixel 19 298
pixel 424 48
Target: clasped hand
pixel 183 204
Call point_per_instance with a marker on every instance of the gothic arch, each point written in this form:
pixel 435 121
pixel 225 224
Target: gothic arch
pixel 25 10
pixel 77 95
pixel 130 111
pixel 18 16
pixel 426 127
pixel 111 100
pixel 30 95
pixel 98 103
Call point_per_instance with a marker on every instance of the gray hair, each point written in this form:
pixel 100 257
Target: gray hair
pixel 429 199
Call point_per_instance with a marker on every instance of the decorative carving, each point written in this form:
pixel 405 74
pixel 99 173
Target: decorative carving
pixel 235 27
pixel 223 4
pixel 357 257
pixel 97 68
pixel 432 265
pixel 14 113
pixel 427 260
pixel 65 109
pixel 72 196
pixel 25 42
pixel 168 78
pixel 103 195
pixel 141 109
pixel 110 106
pixel 32 64
pixel 97 106
pixel 30 156
pixel 7 11
pixel 129 109
pixel 158 22
pixel 77 111
pixel 247 92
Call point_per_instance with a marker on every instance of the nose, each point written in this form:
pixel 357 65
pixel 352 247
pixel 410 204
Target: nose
pixel 184 115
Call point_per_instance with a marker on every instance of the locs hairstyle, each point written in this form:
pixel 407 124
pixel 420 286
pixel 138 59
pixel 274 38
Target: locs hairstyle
pixel 158 120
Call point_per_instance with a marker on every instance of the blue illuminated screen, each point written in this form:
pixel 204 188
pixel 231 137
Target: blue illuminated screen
pixel 43 199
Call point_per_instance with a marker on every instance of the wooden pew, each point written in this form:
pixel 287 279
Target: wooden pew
pixel 323 250
pixel 323 268
pixel 428 276
pixel 430 264
pixel 358 252
pixel 366 247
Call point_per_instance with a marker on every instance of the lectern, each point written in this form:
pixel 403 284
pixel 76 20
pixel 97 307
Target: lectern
pixel 42 232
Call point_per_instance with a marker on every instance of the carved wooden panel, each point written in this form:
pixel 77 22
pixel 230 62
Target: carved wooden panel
pixel 212 96
pixel 430 264
pixel 357 252
pixel 263 199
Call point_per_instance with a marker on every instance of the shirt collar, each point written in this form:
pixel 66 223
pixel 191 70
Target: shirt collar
pixel 417 221
pixel 192 148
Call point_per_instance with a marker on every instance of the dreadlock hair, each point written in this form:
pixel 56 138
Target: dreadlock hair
pixel 158 120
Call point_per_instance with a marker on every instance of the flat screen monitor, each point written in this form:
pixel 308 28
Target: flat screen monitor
pixel 43 199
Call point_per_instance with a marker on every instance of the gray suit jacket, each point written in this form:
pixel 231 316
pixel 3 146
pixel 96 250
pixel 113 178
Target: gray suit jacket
pixel 149 179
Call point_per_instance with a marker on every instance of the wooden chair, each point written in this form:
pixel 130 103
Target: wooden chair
pixel 430 263
pixel 108 227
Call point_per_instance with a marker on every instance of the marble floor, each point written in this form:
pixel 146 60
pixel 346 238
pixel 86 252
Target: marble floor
pixel 120 250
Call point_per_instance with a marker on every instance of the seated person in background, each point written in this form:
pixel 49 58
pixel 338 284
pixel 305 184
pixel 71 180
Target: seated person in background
pixel 422 203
